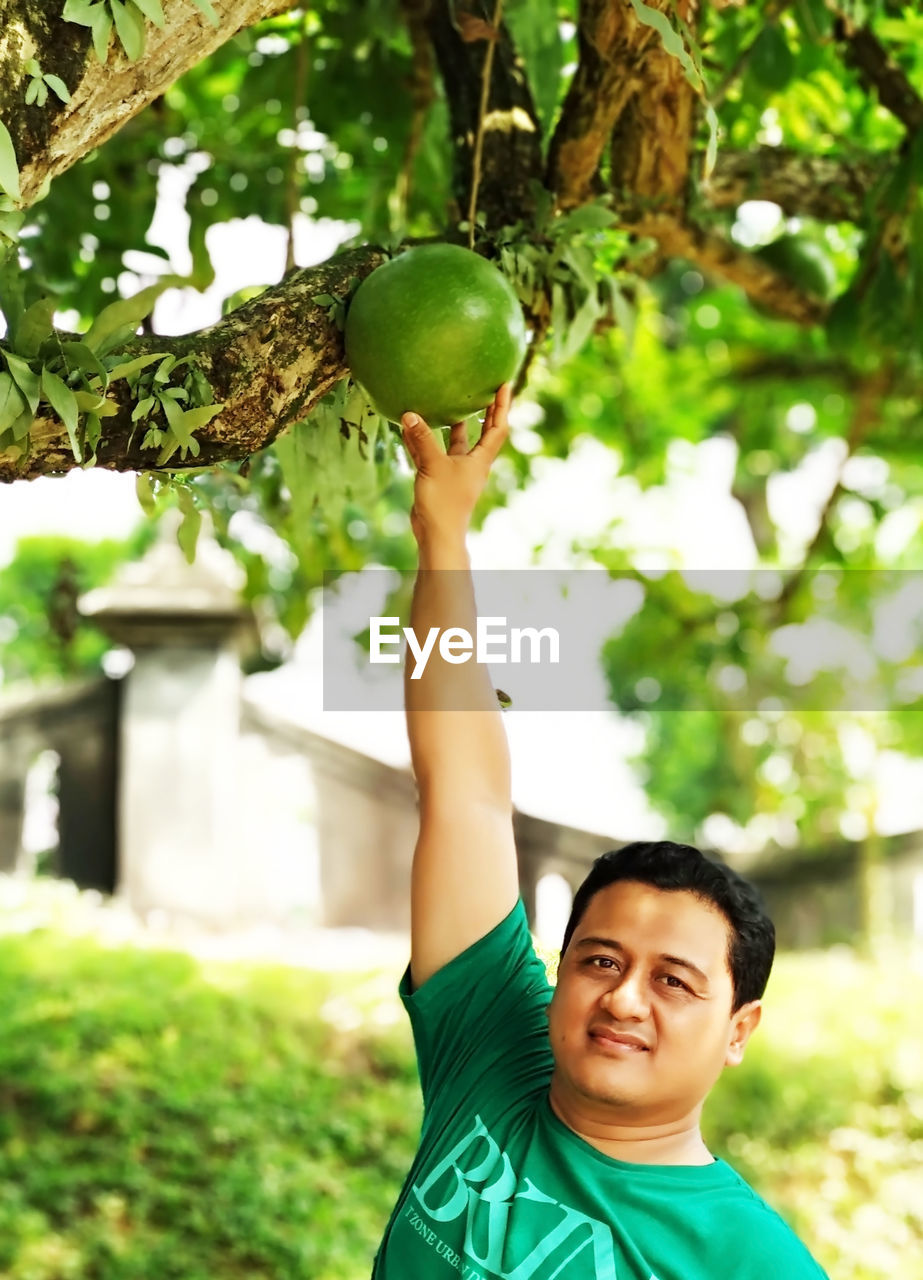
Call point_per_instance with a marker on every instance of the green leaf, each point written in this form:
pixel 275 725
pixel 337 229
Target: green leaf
pixel 102 29
pixel 195 418
pixel 129 27
pixel 165 368
pixel 12 405
pixel 81 12
pixel 170 446
pixel 187 535
pixel 79 356
pixel 57 84
pixel 62 400
pixel 814 18
pixel 579 257
pixel 129 367
pixel 127 313
pixel 771 60
pixel 151 10
pixel 42 95
pixel 581 326
pixel 25 378
pixel 32 92
pixel 90 402
pixel 199 386
pixel 92 433
pixel 144 489
pixel 35 327
pixel 10 222
pixel 711 148
pixel 117 338
pixel 9 169
pixel 844 321
pixel 558 320
pixel 324 299
pixel 143 408
pixel 32 68
pixel 23 424
pixel 588 217
pixel 204 6
pixel 174 416
pixel 625 314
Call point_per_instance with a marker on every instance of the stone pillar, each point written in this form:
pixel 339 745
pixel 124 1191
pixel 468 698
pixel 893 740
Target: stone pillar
pixel 18 748
pixel 12 809
pixel 179 793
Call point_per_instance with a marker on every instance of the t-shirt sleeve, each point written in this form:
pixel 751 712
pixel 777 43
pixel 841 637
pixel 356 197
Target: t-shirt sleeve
pixel 482 1018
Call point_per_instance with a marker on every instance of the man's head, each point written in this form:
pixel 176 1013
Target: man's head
pixel 665 958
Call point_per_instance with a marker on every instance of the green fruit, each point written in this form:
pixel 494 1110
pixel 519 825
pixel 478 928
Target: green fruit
pixel 437 330
pixel 804 262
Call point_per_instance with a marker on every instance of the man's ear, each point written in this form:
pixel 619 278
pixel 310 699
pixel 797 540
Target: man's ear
pixel 743 1023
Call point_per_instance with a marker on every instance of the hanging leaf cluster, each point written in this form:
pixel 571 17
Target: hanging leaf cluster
pixel 71 375
pixel 343 452
pixel 181 406
pixel 40 83
pixel 566 268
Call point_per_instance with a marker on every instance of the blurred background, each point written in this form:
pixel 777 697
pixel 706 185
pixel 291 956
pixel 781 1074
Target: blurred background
pixel 204 872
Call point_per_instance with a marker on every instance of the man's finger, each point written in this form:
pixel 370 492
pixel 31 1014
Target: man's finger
pixel 419 440
pixel 496 424
pixel 458 439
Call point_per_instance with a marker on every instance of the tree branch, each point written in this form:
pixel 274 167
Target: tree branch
pixel 865 53
pixel 49 139
pixel 422 94
pixel 268 362
pixel 512 150
pixel 827 187
pixel 718 256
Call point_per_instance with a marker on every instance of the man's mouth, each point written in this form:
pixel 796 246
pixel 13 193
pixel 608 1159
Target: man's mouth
pixel 618 1041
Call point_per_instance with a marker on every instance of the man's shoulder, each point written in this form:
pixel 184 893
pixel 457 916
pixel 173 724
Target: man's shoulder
pixel 758 1231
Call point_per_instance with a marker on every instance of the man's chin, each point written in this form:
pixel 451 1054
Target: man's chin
pixel 591 1085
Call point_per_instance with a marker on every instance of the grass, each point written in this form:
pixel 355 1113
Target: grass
pixel 166 1119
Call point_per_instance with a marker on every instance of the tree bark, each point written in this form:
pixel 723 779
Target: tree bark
pixel 49 139
pixel 512 152
pixel 830 188
pixel 268 362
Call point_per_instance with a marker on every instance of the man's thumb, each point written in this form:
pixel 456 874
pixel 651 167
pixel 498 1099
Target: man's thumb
pixel 410 420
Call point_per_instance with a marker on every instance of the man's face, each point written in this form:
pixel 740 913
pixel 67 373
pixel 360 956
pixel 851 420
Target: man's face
pixel 640 1022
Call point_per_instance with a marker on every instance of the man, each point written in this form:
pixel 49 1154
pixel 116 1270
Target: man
pixel 560 1136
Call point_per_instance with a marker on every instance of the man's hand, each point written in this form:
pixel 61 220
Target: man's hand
pixel 448 484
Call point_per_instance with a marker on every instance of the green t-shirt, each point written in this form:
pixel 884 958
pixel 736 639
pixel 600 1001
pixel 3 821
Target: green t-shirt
pixel 501 1189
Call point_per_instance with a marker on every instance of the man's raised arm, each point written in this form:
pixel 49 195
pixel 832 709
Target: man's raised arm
pixel 465 878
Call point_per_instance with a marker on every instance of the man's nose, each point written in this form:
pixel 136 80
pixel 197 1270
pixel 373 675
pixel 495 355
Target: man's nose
pixel 627 996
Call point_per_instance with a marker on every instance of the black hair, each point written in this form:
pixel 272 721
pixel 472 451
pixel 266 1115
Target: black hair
pixel 666 865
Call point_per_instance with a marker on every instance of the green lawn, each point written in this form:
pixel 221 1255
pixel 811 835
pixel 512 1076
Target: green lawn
pixel 162 1119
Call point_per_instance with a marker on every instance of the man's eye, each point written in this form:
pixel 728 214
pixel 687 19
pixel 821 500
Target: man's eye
pixel 601 962
pixel 676 983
